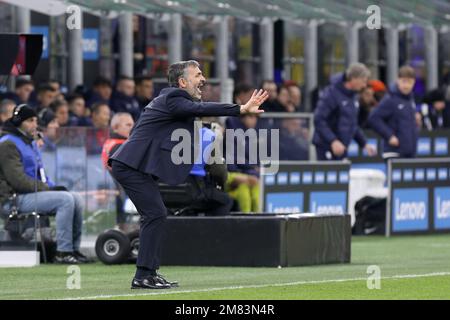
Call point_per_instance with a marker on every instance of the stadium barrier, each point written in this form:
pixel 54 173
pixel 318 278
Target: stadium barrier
pixel 419 196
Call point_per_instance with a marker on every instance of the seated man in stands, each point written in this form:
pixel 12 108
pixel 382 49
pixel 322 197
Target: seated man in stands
pixel 22 173
pixel 243 178
pixel 121 125
pixel 208 180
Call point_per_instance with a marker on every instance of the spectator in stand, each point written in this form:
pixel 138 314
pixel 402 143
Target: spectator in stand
pixel 100 93
pixel 284 102
pixel 144 90
pixel 61 110
pixel 121 125
pixel 22 92
pixel 100 116
pixel 395 117
pixel 295 95
pixel 45 96
pixel 435 113
pixel 78 113
pixel 6 110
pixel 271 87
pixel 369 98
pixel 55 84
pixel 122 99
pixel 49 125
pixel 243 178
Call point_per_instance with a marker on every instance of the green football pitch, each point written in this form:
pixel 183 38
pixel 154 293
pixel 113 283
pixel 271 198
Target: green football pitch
pixel 409 267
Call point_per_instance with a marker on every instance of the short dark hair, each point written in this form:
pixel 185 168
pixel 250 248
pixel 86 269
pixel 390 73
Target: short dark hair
pixel 97 106
pixel 74 96
pixel 23 82
pixel 242 88
pixel 406 72
pixel 55 105
pixel 102 81
pixel 46 87
pixel 177 70
pixel 140 79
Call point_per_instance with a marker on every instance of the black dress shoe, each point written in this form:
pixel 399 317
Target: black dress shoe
pixel 151 282
pixel 172 284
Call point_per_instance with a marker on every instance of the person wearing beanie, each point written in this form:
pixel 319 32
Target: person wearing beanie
pixel 22 172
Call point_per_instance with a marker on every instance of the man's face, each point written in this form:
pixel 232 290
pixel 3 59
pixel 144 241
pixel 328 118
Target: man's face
pixel 357 84
pixel 192 81
pixel 439 105
pixel 405 85
pixel 367 97
pixel 9 112
pixel 78 107
pixel 126 87
pixel 271 89
pixel 24 92
pixel 62 114
pixel 125 125
pixel 47 97
pixel 283 97
pixel 30 126
pixel 104 91
pixel 145 89
pixel 296 95
pixel 101 118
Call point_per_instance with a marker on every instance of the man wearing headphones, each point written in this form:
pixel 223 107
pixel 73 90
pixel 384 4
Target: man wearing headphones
pixel 22 172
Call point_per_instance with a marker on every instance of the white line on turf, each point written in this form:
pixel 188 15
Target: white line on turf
pixel 155 293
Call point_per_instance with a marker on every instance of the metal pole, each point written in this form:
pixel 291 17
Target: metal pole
pixel 267 48
pixel 352 43
pixel 76 55
pixel 23 20
pixel 392 53
pixel 431 57
pixel 126 44
pixel 311 63
pixel 226 88
pixel 175 41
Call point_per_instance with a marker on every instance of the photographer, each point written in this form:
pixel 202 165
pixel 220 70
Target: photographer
pixel 22 172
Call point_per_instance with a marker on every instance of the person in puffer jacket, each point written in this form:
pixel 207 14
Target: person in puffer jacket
pixel 395 117
pixel 336 115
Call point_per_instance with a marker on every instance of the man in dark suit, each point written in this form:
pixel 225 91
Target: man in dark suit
pixel 146 158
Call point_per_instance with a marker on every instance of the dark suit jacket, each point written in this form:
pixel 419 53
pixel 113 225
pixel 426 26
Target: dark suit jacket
pixel 149 147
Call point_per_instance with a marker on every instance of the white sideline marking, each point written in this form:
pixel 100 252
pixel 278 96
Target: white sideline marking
pixel 163 292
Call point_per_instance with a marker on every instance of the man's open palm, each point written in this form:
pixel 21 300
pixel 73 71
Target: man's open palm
pixel 252 105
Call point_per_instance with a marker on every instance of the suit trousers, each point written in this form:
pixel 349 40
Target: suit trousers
pixel 143 191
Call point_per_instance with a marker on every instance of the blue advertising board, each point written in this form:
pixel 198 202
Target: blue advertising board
pixel 313 187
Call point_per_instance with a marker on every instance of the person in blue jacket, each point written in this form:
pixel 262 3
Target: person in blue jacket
pixel 395 117
pixel 336 115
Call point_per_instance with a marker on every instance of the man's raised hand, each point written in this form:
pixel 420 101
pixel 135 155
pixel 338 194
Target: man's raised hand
pixel 252 105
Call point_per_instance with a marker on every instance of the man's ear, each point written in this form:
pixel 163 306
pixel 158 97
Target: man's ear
pixel 182 83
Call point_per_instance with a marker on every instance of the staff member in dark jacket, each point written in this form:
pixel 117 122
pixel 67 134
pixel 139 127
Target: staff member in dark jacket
pixel 395 117
pixel 146 157
pixel 336 115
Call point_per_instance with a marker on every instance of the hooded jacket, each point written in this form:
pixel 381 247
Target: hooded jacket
pixel 336 116
pixel 395 116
